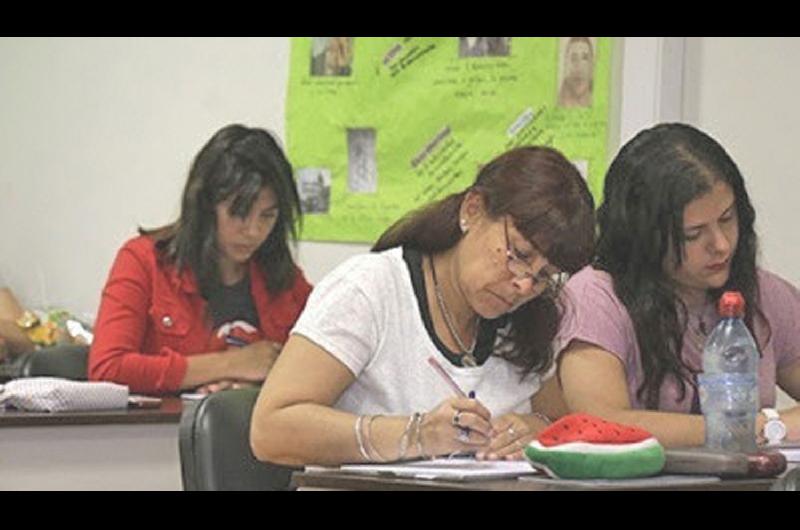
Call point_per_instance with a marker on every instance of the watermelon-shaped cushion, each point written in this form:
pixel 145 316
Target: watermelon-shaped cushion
pixel 584 446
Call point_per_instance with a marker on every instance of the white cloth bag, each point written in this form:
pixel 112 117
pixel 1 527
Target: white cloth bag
pixel 54 394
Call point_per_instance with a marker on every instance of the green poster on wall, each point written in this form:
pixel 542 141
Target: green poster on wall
pixel 379 126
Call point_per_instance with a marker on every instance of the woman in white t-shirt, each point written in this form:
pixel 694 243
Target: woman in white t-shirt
pixel 466 284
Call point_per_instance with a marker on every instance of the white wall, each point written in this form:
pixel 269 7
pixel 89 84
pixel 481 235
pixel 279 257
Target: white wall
pixel 96 137
pixel 743 91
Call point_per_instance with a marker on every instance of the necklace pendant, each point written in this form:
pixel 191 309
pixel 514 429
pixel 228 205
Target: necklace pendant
pixel 467 359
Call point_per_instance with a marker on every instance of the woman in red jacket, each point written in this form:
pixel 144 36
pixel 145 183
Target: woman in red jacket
pixel 207 302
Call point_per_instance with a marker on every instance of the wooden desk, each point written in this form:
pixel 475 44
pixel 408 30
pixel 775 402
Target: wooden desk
pixel 134 449
pixel 332 480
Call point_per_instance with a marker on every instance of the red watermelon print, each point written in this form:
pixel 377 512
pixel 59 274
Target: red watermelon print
pixel 581 446
pixel 591 429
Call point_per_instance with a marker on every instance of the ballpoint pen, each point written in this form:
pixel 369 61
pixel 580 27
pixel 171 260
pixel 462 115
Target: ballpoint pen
pixel 464 431
pixel 449 380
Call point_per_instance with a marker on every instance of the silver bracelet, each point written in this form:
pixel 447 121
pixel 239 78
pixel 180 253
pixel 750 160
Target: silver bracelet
pixel 368 439
pixel 420 447
pixel 402 448
pixel 360 440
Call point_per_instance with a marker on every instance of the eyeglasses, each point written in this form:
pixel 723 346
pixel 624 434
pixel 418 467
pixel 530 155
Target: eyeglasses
pixel 521 269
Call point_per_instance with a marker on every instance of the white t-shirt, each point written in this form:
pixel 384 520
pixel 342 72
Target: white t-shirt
pixel 365 314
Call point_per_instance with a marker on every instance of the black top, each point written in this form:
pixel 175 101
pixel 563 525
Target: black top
pixel 487 329
pixel 229 303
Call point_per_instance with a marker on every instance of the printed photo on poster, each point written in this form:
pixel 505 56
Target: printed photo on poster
pixel 484 46
pixel 362 167
pixel 417 116
pixel 314 187
pixel 576 61
pixel 331 56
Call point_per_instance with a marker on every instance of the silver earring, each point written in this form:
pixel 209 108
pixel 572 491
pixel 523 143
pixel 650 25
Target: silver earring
pixel 464 226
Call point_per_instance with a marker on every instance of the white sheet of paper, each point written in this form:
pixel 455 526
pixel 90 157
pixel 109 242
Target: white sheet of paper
pixel 459 469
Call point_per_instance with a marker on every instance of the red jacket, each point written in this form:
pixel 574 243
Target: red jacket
pixel 151 316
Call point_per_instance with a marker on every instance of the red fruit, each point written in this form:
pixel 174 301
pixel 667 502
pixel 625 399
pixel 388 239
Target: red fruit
pixel 590 429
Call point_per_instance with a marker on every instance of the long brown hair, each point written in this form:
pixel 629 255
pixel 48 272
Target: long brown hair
pixel 649 184
pixel 236 162
pixel 550 205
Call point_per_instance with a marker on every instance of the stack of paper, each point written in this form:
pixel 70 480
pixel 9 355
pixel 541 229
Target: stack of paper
pixel 459 469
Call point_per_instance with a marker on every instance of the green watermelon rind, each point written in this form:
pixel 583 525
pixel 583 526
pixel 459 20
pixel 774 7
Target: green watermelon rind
pixel 625 461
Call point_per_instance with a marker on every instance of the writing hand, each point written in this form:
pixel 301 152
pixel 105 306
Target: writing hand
pixel 511 433
pixel 456 425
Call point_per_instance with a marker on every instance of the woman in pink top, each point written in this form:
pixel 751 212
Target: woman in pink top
pixel 675 231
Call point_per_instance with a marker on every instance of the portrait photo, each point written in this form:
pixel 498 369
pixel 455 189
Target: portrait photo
pixel 331 56
pixel 314 188
pixel 576 60
pixel 362 167
pixel 484 46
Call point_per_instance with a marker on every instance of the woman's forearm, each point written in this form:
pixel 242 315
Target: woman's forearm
pixel 306 434
pixel 249 363
pixel 18 342
pixel 670 428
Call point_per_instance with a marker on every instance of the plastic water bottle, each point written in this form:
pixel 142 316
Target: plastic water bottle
pixel 729 384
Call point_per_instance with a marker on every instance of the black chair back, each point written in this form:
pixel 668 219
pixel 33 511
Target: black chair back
pixel 69 361
pixel 215 446
pixel 788 482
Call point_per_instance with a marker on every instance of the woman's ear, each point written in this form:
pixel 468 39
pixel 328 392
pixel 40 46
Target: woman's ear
pixel 472 210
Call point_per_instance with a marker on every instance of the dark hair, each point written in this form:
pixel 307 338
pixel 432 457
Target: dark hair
pixel 648 185
pixel 551 207
pixel 236 162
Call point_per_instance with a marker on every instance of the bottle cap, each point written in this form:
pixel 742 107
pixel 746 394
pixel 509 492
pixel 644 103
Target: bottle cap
pixel 731 304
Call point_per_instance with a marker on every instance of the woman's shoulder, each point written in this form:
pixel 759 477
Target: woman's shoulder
pixel 372 274
pixel 590 278
pixel 363 282
pixel 774 289
pixel 141 253
pixel 369 264
pixel 140 245
pixel 591 291
pixel 768 279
